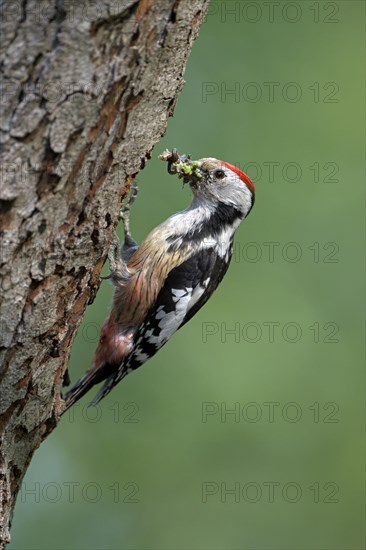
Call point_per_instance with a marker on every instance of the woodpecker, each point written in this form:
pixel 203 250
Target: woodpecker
pixel 161 284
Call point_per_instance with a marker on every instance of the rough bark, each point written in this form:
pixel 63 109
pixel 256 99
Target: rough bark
pixel 87 88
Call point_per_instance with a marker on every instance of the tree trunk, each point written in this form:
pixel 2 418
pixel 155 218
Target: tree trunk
pixel 87 88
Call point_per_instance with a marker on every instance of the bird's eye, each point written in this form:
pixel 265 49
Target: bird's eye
pixel 219 174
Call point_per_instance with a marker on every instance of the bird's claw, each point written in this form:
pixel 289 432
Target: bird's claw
pixel 113 257
pixel 124 213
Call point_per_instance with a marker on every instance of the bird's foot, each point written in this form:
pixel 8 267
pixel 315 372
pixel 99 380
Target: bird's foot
pixel 124 213
pixel 114 257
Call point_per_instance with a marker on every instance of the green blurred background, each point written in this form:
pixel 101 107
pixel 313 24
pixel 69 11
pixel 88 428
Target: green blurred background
pixel 162 463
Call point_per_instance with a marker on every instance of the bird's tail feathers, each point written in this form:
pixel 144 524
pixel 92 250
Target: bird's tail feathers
pixel 83 385
pixel 107 387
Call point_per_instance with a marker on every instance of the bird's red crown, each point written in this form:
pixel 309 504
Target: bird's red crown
pixel 244 177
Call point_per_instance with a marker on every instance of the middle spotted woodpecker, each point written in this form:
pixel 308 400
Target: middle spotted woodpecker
pixel 161 284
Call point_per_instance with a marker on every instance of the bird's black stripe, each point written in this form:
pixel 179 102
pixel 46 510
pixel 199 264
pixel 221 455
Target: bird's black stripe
pixel 224 216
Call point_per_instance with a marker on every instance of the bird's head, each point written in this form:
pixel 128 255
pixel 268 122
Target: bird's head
pixel 224 183
pixel 213 181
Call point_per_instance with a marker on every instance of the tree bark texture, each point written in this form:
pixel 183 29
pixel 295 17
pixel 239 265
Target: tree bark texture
pixel 86 91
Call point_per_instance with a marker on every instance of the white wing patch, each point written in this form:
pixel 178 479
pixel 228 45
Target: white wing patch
pixel 178 294
pixel 140 355
pixel 170 322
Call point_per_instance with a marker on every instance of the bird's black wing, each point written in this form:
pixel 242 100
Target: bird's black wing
pixel 219 269
pixel 186 289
